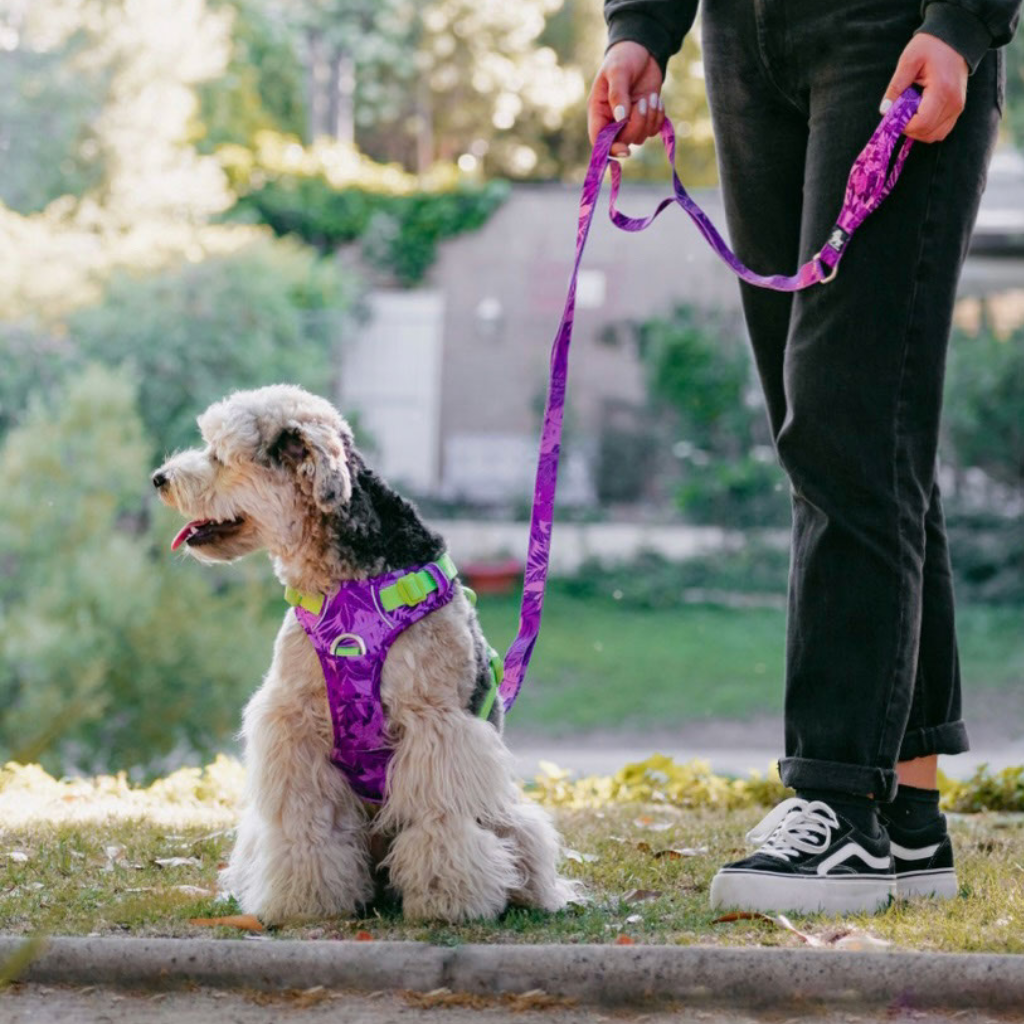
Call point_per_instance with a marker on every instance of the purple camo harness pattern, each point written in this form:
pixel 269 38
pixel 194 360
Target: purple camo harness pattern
pixel 352 631
pixel 871 180
pixel 352 636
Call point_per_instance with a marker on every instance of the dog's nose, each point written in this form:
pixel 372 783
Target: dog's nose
pixel 159 480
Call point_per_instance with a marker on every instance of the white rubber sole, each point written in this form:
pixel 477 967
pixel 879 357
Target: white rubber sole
pixel 939 884
pixel 804 894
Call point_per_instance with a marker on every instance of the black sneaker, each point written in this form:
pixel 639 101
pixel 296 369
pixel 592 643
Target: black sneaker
pixel 809 859
pixel 924 860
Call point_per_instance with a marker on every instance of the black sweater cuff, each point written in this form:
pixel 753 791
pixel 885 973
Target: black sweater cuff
pixel 958 28
pixel 643 29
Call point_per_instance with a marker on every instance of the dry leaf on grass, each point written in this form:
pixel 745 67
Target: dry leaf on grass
pixel 244 922
pixel 641 895
pixel 18 857
pixel 860 942
pixel 191 890
pixel 580 858
pixel 651 825
pixel 177 862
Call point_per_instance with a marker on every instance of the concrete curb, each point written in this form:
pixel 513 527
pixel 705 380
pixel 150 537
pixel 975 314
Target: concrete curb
pixel 590 973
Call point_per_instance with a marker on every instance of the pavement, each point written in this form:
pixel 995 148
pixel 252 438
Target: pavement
pixel 45 1004
pixel 733 748
pixel 602 975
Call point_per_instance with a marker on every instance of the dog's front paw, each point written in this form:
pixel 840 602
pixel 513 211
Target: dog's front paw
pixel 452 871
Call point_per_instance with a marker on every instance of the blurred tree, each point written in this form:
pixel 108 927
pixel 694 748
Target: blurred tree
pixel 261 87
pixel 156 193
pixel 700 370
pixel 47 103
pixel 269 313
pixel 984 404
pixel 121 657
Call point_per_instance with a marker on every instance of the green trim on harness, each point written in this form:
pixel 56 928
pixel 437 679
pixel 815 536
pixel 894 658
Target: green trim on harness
pixel 413 587
pixel 407 591
pixel 313 603
pixel 497 674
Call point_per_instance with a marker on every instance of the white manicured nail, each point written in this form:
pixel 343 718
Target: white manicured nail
pixel 884 106
pixel 642 107
pixel 654 101
pixel 620 112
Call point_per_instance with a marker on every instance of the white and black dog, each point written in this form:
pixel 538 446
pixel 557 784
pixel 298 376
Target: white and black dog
pixel 279 471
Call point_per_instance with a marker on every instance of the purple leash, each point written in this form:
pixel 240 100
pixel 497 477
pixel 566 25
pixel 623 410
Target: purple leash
pixel 874 173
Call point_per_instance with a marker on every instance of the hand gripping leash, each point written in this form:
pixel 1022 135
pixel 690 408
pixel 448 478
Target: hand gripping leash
pixel 874 173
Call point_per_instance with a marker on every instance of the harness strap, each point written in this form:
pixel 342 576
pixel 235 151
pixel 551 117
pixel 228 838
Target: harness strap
pixel 412 588
pixel 872 177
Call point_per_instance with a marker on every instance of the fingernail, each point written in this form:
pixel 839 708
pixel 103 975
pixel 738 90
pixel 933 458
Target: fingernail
pixel 884 106
pixel 620 112
pixel 654 101
pixel 642 107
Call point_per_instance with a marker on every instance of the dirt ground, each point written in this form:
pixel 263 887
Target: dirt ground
pixel 33 1004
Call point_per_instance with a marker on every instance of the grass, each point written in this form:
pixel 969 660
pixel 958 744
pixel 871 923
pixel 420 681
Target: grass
pixel 86 878
pixel 599 664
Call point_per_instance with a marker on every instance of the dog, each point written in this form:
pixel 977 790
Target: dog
pixel 453 836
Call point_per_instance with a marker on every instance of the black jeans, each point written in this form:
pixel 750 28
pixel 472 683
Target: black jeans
pixel 852 370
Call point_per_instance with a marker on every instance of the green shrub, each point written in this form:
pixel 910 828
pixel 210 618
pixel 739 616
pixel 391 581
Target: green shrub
pixel 400 232
pixel 112 652
pixel 743 492
pixel 271 312
pixel 651 581
pixel 984 403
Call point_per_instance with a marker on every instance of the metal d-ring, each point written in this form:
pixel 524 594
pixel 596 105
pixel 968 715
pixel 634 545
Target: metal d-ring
pixel 348 645
pixel 831 274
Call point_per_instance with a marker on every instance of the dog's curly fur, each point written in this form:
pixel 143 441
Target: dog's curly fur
pixel 280 471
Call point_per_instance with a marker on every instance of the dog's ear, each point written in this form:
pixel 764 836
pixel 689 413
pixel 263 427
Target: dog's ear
pixel 317 456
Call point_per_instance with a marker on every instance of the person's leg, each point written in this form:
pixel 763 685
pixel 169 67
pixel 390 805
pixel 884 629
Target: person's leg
pixel 863 378
pixel 761 148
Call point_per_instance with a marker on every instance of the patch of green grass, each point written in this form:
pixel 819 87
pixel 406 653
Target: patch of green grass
pixel 600 663
pixel 70 884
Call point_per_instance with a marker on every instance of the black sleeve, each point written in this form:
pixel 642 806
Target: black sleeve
pixel 971 27
pixel 657 25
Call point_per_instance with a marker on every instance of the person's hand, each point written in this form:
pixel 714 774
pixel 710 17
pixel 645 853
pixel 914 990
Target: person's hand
pixel 942 73
pixel 628 84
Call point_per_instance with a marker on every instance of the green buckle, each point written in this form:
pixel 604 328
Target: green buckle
pixel 411 589
pixel 311 602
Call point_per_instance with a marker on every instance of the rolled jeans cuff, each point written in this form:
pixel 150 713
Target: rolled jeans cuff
pixel 807 773
pixel 948 738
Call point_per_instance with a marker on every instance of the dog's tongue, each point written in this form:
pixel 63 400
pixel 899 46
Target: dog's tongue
pixel 186 532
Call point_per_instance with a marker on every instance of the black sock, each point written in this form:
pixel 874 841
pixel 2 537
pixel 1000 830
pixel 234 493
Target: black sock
pixel 860 811
pixel 913 808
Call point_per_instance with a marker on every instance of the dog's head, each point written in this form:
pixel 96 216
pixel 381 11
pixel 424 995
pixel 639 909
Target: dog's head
pixel 275 460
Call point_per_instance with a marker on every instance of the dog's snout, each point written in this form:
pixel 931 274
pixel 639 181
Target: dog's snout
pixel 160 479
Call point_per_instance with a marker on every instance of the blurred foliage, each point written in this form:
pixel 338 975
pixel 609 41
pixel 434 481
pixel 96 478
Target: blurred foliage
pixel 136 193
pixel 652 581
pixel 262 85
pixel 984 403
pixel 699 371
pixel 271 312
pixel 90 619
pixel 987 552
pixel 399 233
pixel 659 780
pixel 985 790
pixel 48 103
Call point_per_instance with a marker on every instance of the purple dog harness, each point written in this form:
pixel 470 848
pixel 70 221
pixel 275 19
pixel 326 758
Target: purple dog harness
pixel 353 630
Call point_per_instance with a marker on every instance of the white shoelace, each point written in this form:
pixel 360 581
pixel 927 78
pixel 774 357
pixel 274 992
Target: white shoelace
pixel 796 826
